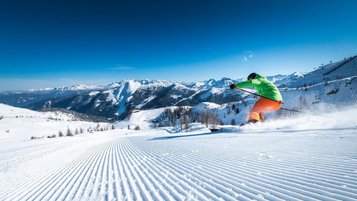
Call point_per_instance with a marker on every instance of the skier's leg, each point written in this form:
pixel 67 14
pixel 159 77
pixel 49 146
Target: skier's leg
pixel 261 106
pixel 257 108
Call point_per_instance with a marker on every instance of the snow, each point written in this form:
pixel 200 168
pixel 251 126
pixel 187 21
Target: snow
pixel 144 118
pixel 175 96
pixel 319 97
pixel 205 106
pixel 333 71
pixel 133 86
pixel 307 157
pixel 143 103
pixel 124 94
pixel 212 91
pixel 114 85
pixel 343 119
pixel 18 124
pixel 97 103
pixel 280 80
pixel 93 93
pixel 311 155
pixel 110 96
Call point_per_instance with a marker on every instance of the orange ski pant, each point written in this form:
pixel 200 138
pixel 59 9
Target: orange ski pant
pixel 261 106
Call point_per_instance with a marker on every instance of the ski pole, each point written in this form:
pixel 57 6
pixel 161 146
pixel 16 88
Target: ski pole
pixel 291 110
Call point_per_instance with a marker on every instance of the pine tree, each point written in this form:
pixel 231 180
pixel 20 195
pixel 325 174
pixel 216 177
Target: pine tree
pixel 233 122
pixel 69 132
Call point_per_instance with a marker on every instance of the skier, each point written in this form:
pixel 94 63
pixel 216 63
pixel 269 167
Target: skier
pixel 270 100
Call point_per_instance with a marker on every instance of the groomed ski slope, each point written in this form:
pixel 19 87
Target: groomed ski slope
pixel 272 161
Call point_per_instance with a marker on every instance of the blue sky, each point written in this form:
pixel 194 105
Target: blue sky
pixel 55 43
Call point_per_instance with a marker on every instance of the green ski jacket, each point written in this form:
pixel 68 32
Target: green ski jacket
pixel 263 86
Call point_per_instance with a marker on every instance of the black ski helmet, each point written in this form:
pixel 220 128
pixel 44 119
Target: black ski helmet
pixel 251 76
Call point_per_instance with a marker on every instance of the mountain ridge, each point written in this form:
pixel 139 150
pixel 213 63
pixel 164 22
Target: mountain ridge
pixel 118 99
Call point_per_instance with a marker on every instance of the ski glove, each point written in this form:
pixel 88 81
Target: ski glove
pixel 233 86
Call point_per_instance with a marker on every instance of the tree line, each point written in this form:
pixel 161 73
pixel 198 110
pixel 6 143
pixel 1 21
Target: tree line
pixel 183 116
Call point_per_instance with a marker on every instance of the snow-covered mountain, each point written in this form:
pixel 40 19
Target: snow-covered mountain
pixel 118 99
pixel 282 80
pixel 333 84
pixel 73 87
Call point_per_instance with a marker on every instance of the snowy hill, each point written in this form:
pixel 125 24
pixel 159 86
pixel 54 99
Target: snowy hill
pixel 333 85
pixel 333 71
pixel 18 124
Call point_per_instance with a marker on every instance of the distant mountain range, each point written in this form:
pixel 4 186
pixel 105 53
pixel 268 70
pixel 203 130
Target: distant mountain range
pixel 117 100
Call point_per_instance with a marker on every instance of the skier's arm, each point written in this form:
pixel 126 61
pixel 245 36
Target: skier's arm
pixel 245 84
pixel 256 82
